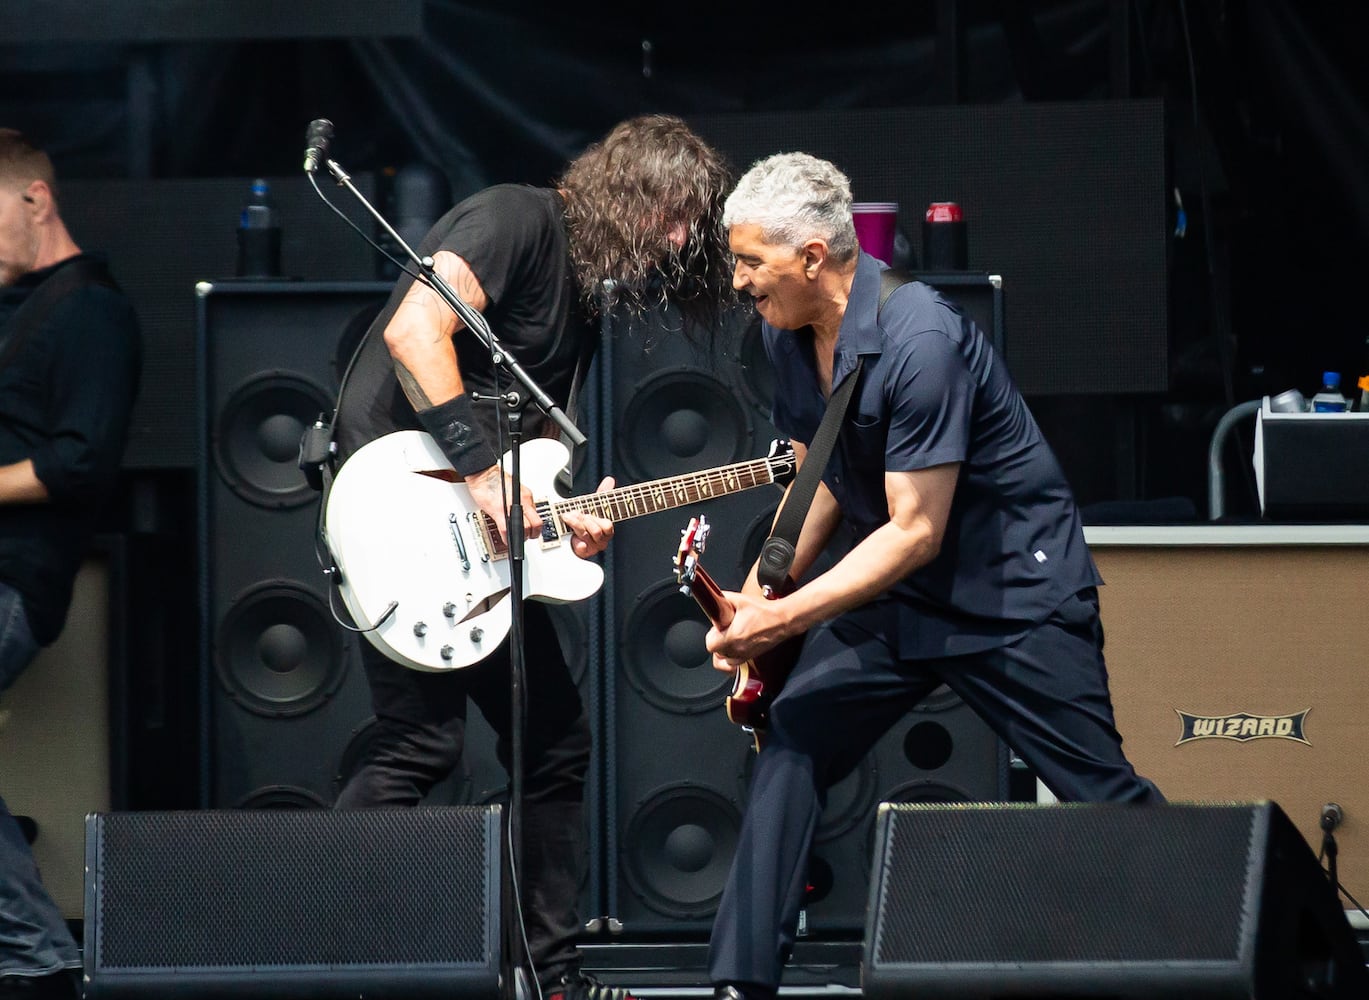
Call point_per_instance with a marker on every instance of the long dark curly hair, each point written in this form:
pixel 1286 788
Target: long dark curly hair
pixel 624 195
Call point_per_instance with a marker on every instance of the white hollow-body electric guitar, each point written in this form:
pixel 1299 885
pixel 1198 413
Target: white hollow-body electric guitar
pixel 425 575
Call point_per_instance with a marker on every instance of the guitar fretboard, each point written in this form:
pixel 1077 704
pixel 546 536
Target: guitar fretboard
pixel 648 498
pixel 665 494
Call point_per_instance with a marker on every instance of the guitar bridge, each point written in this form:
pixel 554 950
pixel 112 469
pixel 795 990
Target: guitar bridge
pixel 491 544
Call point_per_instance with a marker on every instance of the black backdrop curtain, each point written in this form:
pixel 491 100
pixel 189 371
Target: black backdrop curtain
pixel 1266 104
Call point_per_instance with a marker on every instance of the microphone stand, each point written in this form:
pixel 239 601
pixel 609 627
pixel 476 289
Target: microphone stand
pixel 514 402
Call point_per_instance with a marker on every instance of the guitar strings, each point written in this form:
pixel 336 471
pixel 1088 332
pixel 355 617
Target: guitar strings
pixel 662 494
pixel 645 498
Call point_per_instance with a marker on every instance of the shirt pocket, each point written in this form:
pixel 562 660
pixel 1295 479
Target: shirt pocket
pixel 864 439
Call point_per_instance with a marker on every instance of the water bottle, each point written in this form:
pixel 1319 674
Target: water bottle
pixel 259 234
pixel 1329 400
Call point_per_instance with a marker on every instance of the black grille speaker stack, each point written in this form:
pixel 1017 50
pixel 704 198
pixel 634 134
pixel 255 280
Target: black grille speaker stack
pixel 287 707
pixel 1112 902
pixel 677 769
pixel 282 678
pixel 289 713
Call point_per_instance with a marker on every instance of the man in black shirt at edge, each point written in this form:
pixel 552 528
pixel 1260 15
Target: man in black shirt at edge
pixel 70 354
pixel 634 220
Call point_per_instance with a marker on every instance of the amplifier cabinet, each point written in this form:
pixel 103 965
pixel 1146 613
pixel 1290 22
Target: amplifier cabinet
pixel 1236 662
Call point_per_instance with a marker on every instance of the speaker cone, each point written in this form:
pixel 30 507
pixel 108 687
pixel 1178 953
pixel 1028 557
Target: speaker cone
pixel 256 446
pixel 678 849
pixel 664 656
pixel 928 746
pixel 279 651
pixel 681 420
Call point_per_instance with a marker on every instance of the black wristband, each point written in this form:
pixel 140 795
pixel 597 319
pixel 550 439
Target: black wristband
pixel 452 425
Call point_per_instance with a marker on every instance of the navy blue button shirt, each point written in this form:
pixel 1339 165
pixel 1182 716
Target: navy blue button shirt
pixel 932 392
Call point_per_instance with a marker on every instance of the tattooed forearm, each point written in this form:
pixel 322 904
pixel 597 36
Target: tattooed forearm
pixel 418 399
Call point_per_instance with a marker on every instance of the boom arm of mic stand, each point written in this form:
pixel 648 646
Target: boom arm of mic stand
pixel 470 316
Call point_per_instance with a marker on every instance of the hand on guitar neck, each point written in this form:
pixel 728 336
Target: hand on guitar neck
pixel 758 677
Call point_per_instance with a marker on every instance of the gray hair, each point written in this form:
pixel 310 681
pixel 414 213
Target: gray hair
pixel 794 197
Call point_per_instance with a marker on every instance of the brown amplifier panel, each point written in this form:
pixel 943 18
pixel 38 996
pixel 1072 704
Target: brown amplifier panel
pixel 55 739
pixel 1241 673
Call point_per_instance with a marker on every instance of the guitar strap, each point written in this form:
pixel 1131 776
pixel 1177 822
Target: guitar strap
pixel 81 271
pixel 777 554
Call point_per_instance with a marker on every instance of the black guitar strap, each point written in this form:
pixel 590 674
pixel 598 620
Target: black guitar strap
pixel 81 271
pixel 777 554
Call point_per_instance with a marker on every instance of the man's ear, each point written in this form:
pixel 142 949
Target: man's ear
pixel 39 195
pixel 814 257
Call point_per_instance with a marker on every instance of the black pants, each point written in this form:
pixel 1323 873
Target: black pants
pixel 421 723
pixel 1045 694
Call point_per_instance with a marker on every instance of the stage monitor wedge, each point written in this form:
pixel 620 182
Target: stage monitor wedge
pixel 400 903
pixel 1123 902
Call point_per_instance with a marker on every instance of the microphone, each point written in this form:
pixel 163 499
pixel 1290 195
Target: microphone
pixel 317 138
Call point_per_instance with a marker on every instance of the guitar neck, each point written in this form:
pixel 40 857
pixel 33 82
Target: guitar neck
pixel 709 596
pixel 676 491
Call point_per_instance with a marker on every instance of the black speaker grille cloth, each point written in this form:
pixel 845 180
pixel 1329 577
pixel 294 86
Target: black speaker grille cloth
pixel 1087 890
pixel 228 889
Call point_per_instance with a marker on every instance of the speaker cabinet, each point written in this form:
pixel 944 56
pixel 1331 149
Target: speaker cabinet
pixel 979 296
pixel 289 711
pixel 369 902
pixel 1104 901
pixel 284 686
pixel 1235 672
pixel 673 817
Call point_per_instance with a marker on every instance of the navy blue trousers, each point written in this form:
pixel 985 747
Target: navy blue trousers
pixel 1045 695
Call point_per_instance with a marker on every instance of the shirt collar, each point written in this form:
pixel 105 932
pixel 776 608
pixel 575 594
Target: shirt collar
pixel 859 333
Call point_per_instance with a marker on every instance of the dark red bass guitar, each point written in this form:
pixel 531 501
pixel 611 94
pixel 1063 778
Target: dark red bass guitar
pixel 758 681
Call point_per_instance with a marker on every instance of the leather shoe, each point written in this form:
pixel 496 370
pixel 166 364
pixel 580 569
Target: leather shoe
pixel 742 991
pixel 64 984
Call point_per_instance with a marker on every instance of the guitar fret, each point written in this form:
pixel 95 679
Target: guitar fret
pixel 650 498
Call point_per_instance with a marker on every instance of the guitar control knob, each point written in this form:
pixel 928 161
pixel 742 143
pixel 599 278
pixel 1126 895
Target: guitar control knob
pixel 477 634
pixel 420 629
pixel 449 609
pixel 446 652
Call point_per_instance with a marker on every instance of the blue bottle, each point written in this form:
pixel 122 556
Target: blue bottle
pixel 259 234
pixel 1330 400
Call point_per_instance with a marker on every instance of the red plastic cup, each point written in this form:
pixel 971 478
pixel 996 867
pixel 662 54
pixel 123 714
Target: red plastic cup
pixel 876 222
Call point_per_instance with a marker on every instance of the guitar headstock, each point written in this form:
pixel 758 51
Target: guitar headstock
pixel 692 541
pixel 784 463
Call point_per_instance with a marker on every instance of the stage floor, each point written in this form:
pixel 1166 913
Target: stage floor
pixel 660 970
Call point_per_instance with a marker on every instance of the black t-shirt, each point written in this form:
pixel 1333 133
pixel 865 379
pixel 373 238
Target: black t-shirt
pixel 66 392
pixel 514 239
